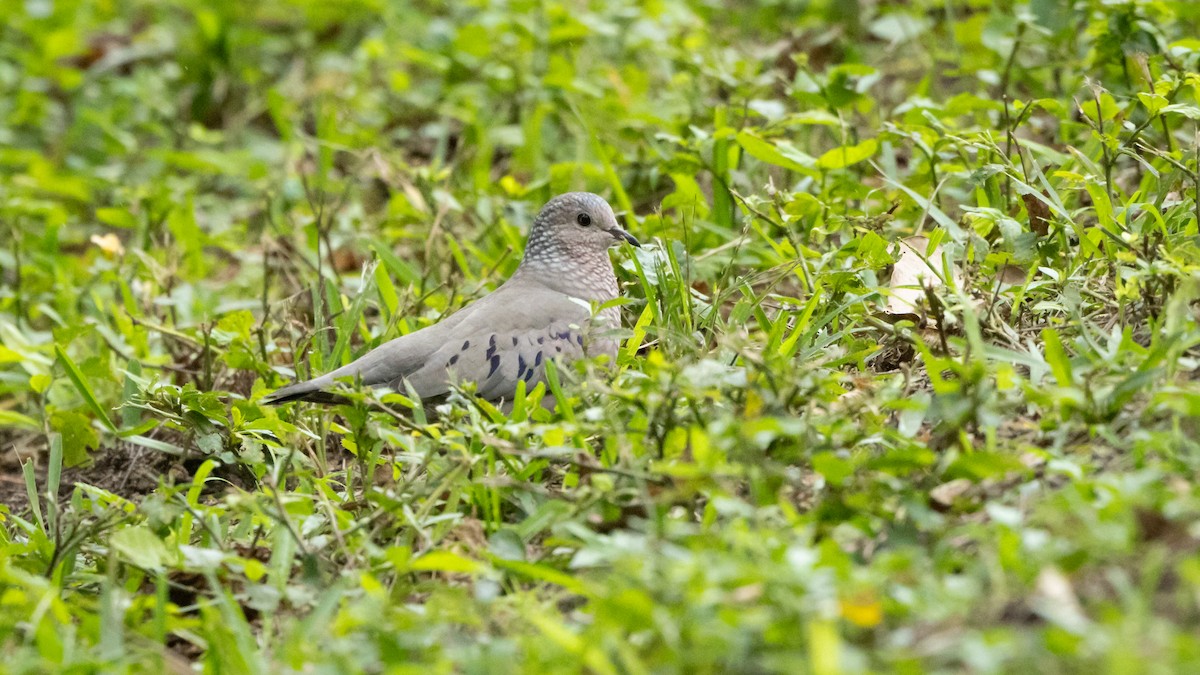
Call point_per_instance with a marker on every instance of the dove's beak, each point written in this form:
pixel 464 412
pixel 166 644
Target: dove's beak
pixel 618 233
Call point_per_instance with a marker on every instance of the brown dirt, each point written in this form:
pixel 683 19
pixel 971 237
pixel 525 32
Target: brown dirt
pixel 124 469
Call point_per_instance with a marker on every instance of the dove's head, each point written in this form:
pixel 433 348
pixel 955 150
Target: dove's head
pixel 574 227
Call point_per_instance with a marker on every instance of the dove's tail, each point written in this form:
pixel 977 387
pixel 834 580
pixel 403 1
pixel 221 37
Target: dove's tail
pixel 303 391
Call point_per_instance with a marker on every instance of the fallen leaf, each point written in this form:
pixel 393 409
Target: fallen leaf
pixel 1055 600
pixel 109 243
pixel 1032 460
pixel 912 274
pixel 947 493
pixel 1039 214
pixel 1012 274
pixel 346 259
pixel 1153 525
pixel 745 594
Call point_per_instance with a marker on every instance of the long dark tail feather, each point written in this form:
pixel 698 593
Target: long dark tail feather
pixel 302 391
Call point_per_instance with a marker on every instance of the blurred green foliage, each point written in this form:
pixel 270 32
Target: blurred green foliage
pixel 202 200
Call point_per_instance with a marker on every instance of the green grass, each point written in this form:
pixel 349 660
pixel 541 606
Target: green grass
pixel 200 201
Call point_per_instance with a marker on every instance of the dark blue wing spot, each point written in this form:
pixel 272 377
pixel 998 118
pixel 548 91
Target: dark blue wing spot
pixel 579 339
pixel 453 360
pixel 491 348
pixel 495 365
pixel 520 364
pixel 541 339
pixel 537 361
pixel 514 340
pixel 466 345
pixel 528 375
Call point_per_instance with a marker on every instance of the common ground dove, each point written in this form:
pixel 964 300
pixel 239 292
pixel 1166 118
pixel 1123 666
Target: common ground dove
pixel 543 312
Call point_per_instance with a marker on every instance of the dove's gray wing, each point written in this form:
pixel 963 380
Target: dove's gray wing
pixel 502 338
pixel 495 350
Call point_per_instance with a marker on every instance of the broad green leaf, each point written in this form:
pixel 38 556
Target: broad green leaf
pixel 1102 111
pixel 538 572
pixel 1187 110
pixel 237 324
pixel 116 217
pixel 774 153
pixel 1056 357
pixel 1153 102
pixel 78 435
pixel 445 561
pixel 844 156
pixel 140 546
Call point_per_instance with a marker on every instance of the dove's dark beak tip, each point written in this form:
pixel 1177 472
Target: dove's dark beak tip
pixel 622 234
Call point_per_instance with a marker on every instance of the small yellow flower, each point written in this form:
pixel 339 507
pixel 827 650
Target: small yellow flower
pixel 863 610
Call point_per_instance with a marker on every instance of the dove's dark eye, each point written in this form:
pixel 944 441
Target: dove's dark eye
pixel 583 219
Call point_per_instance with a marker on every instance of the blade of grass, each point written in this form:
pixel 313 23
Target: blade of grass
pixel 352 316
pixel 35 503
pixel 84 390
pixel 53 480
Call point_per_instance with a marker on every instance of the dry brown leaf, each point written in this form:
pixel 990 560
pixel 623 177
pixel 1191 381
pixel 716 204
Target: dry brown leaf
pixel 346 259
pixel 1012 275
pixel 1039 214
